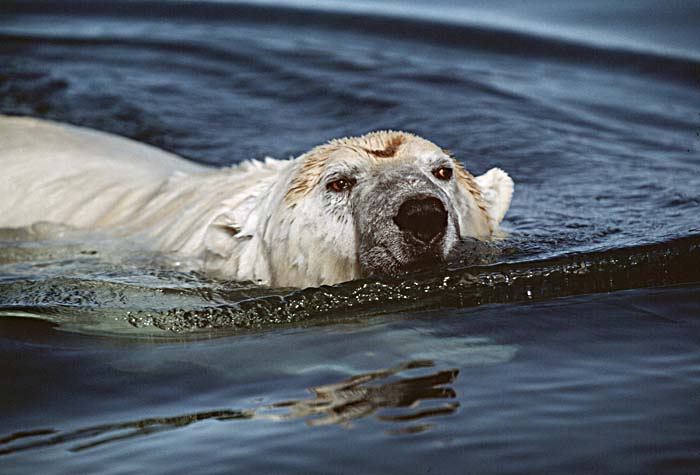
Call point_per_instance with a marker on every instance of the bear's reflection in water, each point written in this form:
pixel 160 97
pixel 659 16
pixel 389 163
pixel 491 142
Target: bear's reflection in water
pixel 366 394
pixel 356 397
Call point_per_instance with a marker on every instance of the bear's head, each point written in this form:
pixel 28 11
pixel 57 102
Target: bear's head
pixel 381 203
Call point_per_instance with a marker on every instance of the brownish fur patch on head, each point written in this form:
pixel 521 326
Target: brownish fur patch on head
pixel 468 181
pixel 381 144
pixel 308 174
pixel 391 148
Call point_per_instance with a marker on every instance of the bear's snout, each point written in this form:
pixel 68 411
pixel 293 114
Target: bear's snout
pixel 424 218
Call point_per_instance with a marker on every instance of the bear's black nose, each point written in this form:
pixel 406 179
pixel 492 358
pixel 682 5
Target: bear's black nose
pixel 424 218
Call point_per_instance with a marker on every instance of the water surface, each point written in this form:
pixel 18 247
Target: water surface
pixel 571 347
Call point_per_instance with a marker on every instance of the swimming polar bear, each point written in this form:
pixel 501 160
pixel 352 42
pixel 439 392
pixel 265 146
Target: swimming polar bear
pixel 353 207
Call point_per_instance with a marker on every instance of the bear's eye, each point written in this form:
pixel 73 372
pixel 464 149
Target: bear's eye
pixel 340 185
pixel 443 173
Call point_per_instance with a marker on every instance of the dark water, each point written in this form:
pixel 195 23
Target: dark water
pixel 573 347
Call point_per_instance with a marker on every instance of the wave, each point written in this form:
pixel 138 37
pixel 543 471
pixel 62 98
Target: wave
pixel 672 263
pixel 225 306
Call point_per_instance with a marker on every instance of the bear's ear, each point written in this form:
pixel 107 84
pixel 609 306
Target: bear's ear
pixel 496 190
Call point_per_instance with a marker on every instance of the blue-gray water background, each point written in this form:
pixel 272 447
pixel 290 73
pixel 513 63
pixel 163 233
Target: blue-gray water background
pixel 573 349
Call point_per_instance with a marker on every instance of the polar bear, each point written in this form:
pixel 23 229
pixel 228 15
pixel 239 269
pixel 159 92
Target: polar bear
pixel 384 202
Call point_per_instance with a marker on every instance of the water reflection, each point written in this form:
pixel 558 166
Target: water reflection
pixel 336 403
pixel 97 435
pixel 355 397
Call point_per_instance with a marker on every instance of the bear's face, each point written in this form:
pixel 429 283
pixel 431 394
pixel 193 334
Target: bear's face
pixel 400 208
pixel 382 203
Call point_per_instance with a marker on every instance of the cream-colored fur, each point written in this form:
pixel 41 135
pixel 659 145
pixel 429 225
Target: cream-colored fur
pixel 259 221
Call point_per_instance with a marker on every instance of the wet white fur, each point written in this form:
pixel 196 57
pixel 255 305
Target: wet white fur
pixel 231 222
